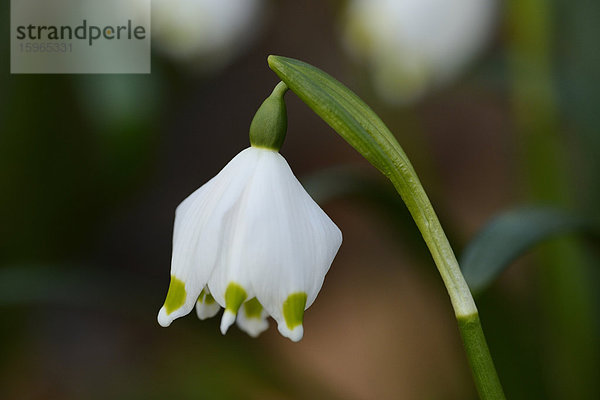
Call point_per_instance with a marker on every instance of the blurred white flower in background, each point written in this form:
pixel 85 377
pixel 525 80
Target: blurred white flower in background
pixel 413 46
pixel 205 34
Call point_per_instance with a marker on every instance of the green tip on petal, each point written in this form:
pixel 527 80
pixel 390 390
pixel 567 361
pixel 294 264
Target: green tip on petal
pixel 175 296
pixel 234 297
pixel 269 124
pixel 293 309
pixel 206 298
pixel 252 308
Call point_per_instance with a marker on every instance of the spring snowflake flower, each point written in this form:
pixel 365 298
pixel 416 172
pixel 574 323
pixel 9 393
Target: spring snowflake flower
pixel 251 240
pixel 206 34
pixel 411 47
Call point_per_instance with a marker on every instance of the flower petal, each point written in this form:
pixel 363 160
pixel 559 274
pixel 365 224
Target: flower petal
pixel 197 236
pixel 252 319
pixel 289 242
pixel 235 295
pixel 233 273
pixel 293 315
pixel 206 306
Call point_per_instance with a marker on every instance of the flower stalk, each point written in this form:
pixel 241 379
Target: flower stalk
pixel 412 192
pixel 352 119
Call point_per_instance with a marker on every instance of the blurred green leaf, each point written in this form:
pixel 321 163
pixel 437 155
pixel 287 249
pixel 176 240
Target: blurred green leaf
pixel 123 113
pixel 510 235
pixel 347 181
pixel 76 286
pixel 116 102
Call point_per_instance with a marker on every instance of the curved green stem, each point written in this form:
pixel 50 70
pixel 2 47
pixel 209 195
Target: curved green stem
pixel 484 373
pixel 352 119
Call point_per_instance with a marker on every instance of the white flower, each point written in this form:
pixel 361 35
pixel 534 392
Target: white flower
pixel 251 240
pixel 206 33
pixel 413 46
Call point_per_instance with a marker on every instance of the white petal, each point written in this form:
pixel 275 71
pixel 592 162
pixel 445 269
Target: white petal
pixel 227 320
pixel 233 268
pixel 197 236
pixel 252 319
pixel 206 311
pixel 206 306
pixel 295 334
pixel 232 263
pixel 288 241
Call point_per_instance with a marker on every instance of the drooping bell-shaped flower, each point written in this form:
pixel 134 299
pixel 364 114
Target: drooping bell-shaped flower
pixel 251 240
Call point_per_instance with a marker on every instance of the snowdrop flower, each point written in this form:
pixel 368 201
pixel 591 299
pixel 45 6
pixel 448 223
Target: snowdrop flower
pixel 414 46
pixel 205 33
pixel 251 240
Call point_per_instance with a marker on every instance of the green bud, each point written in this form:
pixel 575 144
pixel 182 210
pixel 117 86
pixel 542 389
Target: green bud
pixel 269 124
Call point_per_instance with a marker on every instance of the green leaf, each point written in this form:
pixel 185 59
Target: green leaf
pixel 345 112
pixel 510 235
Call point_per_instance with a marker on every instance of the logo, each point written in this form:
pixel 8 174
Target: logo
pixel 80 36
pixel 82 32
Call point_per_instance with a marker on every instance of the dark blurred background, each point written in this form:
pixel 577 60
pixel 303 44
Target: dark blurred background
pixel 496 104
